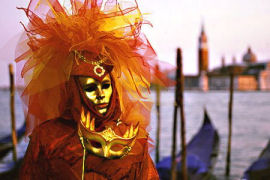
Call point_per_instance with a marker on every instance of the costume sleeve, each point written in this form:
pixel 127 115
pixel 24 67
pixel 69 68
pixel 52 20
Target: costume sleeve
pixel 38 164
pixel 148 171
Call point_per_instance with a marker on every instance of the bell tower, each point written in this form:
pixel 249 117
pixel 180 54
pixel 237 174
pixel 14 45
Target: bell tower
pixel 203 53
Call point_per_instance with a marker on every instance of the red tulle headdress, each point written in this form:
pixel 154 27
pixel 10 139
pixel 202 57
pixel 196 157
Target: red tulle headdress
pixel 110 29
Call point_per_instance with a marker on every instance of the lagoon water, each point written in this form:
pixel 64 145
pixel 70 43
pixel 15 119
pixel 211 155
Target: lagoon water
pixel 251 124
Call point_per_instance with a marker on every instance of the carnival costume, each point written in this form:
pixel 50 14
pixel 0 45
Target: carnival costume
pixel 87 70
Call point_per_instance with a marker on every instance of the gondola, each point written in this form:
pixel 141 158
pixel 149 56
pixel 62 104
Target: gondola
pixel 260 169
pixel 202 152
pixel 6 142
pixel 10 169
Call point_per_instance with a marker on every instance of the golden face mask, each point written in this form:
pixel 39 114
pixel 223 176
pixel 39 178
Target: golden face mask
pixel 106 143
pixel 99 93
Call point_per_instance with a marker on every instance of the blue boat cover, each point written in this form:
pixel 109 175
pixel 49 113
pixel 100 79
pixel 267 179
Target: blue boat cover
pixel 260 169
pixel 8 138
pixel 199 152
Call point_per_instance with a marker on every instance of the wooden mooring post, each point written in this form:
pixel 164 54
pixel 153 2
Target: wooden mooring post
pixel 179 99
pixel 182 115
pixel 158 118
pixel 173 163
pixel 12 112
pixel 228 157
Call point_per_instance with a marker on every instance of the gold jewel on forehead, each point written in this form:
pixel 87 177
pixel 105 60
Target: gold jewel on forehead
pixel 98 69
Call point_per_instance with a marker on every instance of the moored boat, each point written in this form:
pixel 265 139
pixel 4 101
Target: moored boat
pixel 260 169
pixel 6 142
pixel 8 168
pixel 202 152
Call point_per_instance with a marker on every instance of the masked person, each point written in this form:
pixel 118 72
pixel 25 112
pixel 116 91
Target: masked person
pixel 87 69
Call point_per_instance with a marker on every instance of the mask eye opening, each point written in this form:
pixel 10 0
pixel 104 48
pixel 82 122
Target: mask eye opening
pixel 95 144
pixel 106 86
pixel 90 87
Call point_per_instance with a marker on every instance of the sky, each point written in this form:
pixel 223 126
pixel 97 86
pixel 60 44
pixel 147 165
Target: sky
pixel 231 27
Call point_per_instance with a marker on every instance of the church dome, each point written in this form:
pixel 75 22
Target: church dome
pixel 249 57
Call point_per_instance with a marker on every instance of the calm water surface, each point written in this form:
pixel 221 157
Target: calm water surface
pixel 251 123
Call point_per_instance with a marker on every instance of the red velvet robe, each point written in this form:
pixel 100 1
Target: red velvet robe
pixel 55 152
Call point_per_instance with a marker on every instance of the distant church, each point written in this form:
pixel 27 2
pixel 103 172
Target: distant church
pixel 248 75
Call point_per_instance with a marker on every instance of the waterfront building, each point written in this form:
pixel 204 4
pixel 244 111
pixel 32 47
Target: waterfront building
pixel 249 75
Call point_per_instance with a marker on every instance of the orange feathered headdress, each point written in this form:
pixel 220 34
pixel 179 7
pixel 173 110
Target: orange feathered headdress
pixel 109 29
